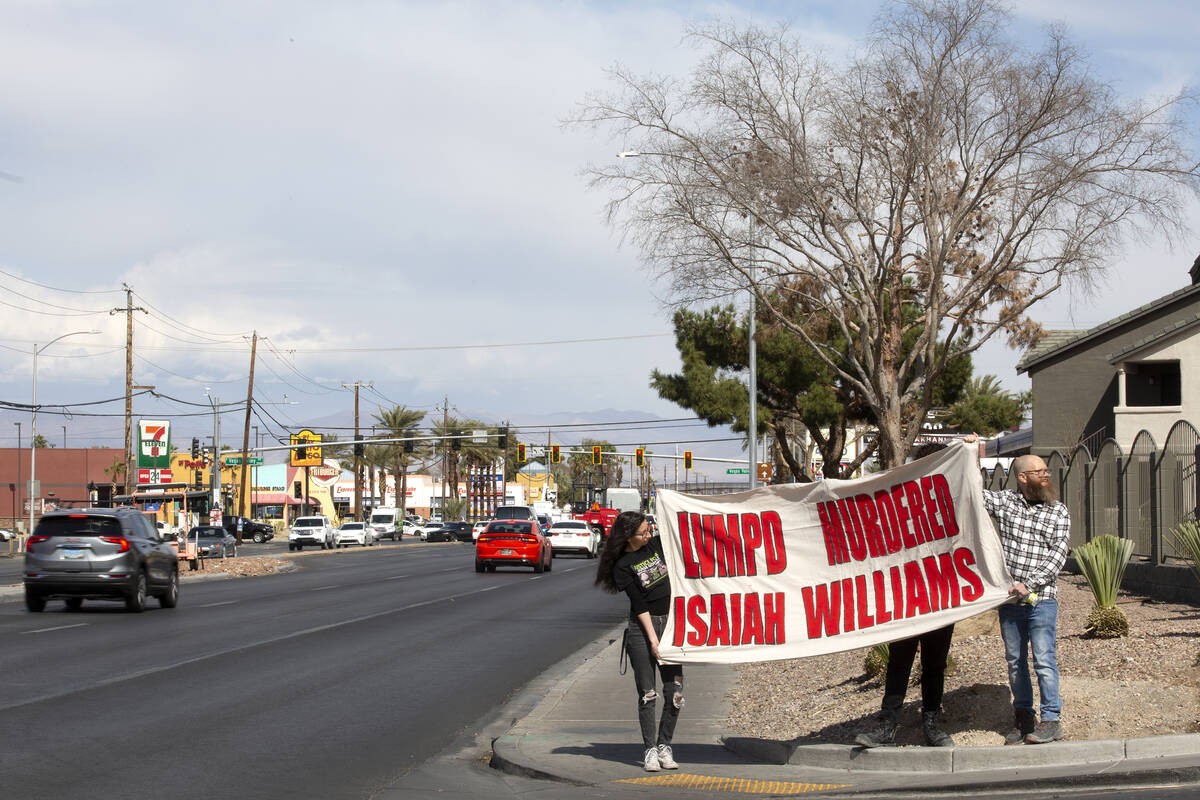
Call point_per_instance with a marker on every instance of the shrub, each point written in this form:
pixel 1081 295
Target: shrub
pixel 1103 561
pixel 1186 540
pixel 875 664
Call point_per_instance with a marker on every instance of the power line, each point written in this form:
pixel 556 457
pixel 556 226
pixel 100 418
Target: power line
pixel 56 289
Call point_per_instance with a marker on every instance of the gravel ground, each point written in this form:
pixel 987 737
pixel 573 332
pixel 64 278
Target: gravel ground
pixel 1146 684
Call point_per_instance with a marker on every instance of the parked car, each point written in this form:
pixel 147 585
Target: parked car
pixel 358 533
pixel 316 530
pixel 574 536
pixel 213 541
pixel 409 529
pixel 99 554
pixel 459 531
pixel 511 542
pixel 7 535
pixel 478 527
pixel 447 532
pixel 251 529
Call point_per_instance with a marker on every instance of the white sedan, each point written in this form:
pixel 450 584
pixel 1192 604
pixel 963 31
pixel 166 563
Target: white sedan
pixel 358 533
pixel 574 536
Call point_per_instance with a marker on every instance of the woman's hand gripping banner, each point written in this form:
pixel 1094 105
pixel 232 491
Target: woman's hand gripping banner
pixel 806 569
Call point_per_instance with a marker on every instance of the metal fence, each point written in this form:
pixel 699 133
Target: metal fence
pixel 1140 495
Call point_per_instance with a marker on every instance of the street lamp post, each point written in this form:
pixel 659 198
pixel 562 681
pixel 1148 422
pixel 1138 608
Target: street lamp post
pixel 33 420
pixel 752 389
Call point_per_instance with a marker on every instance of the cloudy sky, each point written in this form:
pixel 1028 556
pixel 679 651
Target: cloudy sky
pixel 378 189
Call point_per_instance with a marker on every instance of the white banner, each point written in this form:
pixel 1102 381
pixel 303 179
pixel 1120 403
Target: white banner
pixel 807 569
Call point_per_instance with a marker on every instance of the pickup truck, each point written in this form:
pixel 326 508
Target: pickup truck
pixel 251 529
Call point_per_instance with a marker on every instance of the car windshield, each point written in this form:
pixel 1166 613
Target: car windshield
pixel 352 526
pixel 510 527
pixel 513 512
pixel 308 522
pixel 570 526
pixel 78 525
pixel 383 519
pixel 210 533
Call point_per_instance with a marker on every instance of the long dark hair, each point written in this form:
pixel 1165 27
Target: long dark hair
pixel 624 526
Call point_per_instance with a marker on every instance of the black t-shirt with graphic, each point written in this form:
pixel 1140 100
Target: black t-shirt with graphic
pixel 642 575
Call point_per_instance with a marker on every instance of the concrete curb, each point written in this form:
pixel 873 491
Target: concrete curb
pixel 1115 752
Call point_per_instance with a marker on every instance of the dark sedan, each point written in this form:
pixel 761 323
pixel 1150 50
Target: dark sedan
pixel 450 532
pixel 214 542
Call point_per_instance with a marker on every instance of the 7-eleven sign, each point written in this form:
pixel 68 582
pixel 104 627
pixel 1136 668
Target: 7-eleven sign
pixel 154 446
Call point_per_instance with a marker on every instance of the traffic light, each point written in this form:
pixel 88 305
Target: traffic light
pixel 197 478
pixel 359 450
pixel 455 440
pixel 521 453
pixel 555 454
pixel 597 458
pixel 502 442
pixel 687 459
pixel 639 457
pixel 410 446
pixel 195 448
pixel 298 490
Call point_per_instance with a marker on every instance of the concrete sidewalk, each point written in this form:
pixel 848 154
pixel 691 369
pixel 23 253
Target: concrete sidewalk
pixel 584 731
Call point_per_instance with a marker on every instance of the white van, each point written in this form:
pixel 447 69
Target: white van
pixel 385 523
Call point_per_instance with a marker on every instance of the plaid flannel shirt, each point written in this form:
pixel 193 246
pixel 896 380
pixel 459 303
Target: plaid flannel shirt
pixel 1033 536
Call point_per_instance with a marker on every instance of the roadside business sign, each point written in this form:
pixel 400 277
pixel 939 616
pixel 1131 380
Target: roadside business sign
pixel 154 450
pixel 310 454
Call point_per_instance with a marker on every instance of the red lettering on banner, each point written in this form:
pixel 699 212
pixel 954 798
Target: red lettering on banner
pixel 931 508
pixel 752 628
pixel 821 608
pixel 865 620
pixel 945 504
pixel 942 581
pixel 881 611
pixel 870 524
pixel 916 512
pixel 774 629
pixel 691 567
pixel 887 521
pixel 677 616
pixel 702 541
pixel 773 542
pixel 831 527
pixel 897 593
pixel 847 604
pixel 858 548
pixel 752 539
pixel 695 612
pixel 916 598
pixel 735 617
pixel 902 516
pixel 718 618
pixel 964 559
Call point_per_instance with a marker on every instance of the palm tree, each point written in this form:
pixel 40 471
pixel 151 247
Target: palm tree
pixel 447 430
pixel 400 423
pixel 117 469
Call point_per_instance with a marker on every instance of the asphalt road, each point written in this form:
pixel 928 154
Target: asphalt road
pixel 330 682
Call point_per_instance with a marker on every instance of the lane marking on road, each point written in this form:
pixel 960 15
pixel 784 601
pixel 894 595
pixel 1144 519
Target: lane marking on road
pixel 142 673
pixel 323 588
pixel 396 577
pixel 222 603
pixel 59 628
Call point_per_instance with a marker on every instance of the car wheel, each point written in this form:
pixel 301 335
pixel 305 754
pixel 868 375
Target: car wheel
pixel 478 567
pixel 193 564
pixel 34 601
pixel 74 603
pixel 170 597
pixel 258 538
pixel 234 553
pixel 550 562
pixel 135 601
pixel 540 566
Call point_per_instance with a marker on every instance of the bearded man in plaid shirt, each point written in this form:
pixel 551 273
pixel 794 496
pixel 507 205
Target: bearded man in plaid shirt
pixel 1034 532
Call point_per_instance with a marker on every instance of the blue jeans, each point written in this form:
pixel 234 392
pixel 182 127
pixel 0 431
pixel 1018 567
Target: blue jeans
pixel 1025 627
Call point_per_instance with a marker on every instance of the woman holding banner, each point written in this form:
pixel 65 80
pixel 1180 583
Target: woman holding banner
pixel 633 562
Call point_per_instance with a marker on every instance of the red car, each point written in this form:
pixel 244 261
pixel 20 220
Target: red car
pixel 515 543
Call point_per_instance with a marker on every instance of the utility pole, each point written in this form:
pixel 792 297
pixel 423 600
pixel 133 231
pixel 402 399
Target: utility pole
pixel 445 426
pixel 128 311
pixel 244 496
pixel 357 451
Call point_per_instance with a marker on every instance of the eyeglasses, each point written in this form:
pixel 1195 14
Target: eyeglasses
pixel 1036 472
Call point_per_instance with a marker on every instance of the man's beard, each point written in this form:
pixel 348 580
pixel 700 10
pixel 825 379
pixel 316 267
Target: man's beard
pixel 1038 493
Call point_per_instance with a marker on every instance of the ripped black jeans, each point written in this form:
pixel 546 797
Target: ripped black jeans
pixel 638 648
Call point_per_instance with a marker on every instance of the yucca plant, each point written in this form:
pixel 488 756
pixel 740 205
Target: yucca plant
pixel 876 660
pixel 1103 561
pixel 1186 540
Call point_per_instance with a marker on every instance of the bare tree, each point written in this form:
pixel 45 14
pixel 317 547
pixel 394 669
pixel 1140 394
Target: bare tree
pixel 924 195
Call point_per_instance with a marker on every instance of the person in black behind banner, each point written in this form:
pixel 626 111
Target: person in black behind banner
pixel 633 562
pixel 935 647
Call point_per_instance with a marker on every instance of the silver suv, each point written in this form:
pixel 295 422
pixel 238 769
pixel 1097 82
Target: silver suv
pixel 99 554
pixel 311 530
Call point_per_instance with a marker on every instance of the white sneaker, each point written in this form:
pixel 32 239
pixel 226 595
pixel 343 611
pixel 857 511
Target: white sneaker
pixel 666 758
pixel 651 760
